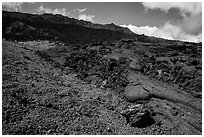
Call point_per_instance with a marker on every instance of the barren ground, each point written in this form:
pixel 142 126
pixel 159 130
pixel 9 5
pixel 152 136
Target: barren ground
pixel 39 98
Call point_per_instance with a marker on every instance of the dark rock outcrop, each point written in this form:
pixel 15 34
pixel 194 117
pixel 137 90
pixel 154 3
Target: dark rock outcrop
pixel 138 116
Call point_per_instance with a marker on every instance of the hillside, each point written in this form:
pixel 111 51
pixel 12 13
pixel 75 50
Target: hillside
pixel 75 78
pixel 24 26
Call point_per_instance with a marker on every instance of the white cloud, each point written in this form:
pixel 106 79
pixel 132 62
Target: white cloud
pixel 82 16
pixel 86 17
pixel 190 28
pixel 12 6
pixel 184 7
pixel 167 31
pixel 55 11
pixel 79 10
pixel 190 11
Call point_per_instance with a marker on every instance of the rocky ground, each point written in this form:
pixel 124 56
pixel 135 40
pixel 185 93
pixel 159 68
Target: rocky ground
pixel 126 87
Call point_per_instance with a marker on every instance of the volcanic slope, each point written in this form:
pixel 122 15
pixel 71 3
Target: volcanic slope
pixel 50 88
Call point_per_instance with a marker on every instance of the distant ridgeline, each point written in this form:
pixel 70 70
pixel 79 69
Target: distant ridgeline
pixel 24 26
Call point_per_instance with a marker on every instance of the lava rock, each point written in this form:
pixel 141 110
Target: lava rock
pixel 135 93
pixel 138 116
pixel 142 120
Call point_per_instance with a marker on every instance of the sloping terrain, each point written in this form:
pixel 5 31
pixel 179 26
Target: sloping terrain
pixel 23 27
pixel 60 20
pixel 67 76
pixel 99 88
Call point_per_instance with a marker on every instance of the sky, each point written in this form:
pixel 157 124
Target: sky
pixel 176 21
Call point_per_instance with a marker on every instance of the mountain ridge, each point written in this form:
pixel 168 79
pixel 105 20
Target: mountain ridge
pixel 70 30
pixel 68 20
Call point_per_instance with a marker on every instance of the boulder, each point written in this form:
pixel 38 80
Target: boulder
pixel 139 116
pixel 135 93
pixel 142 120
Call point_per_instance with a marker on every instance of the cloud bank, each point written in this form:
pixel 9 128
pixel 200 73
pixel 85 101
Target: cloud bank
pixel 189 29
pixel 167 31
pixel 188 7
pixel 55 11
pixel 12 6
pixel 190 11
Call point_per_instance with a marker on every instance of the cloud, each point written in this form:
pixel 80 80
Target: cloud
pixel 192 24
pixel 183 7
pixel 55 11
pixel 167 31
pixel 190 28
pixel 12 6
pixel 86 17
pixel 190 11
pixel 79 10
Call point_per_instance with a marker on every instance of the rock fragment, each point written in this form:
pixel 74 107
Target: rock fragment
pixel 138 116
pixel 135 93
